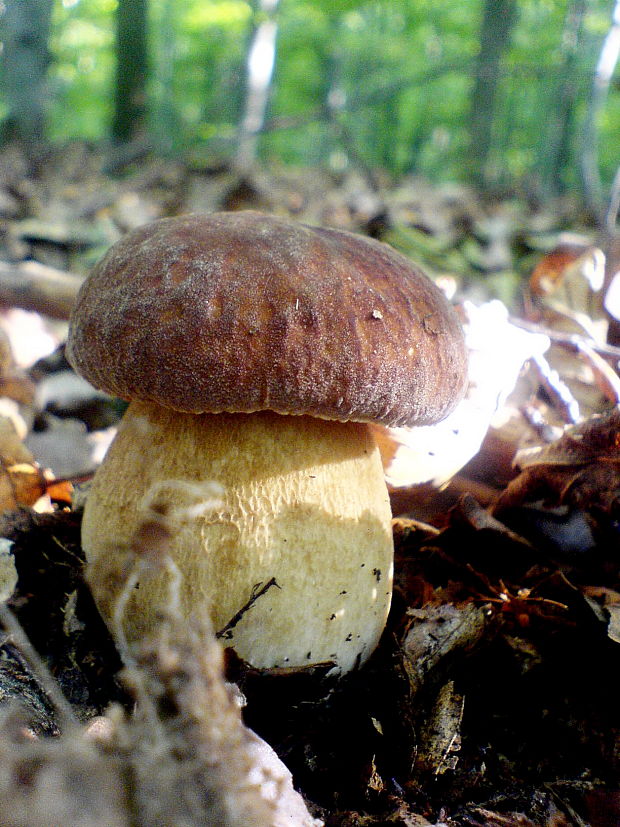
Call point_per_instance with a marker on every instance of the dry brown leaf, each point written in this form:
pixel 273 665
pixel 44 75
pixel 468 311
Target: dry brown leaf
pixel 20 484
pixel 440 734
pixel 610 601
pixel 581 469
pixel 12 449
pixel 566 287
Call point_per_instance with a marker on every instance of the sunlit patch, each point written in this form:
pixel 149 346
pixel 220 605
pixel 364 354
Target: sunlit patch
pixel 30 335
pixel 432 454
pixel 612 297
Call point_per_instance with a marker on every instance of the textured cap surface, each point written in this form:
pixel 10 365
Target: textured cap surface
pixel 242 312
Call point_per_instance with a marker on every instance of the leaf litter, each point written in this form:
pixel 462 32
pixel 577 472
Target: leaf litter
pixel 492 697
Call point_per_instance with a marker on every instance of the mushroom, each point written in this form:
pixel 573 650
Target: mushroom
pixel 254 352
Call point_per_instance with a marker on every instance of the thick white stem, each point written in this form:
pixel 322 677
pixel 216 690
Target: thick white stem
pixel 304 504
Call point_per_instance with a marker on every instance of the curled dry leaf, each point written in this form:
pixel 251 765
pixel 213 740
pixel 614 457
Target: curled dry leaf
pixel 609 599
pixel 566 287
pixel 436 634
pixel 580 469
pixel 21 484
pixel 440 736
pixel 21 480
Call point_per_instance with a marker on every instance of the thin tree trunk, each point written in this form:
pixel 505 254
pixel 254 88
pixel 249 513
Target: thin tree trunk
pixel 605 68
pixel 498 19
pixel 260 63
pixel 561 121
pixel 166 121
pixel 131 70
pixel 25 59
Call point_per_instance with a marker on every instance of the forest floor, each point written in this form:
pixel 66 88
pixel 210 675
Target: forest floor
pixel 492 698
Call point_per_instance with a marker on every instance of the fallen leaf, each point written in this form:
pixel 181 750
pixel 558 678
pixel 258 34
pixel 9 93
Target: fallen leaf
pixel 440 734
pixel 610 601
pixel 580 469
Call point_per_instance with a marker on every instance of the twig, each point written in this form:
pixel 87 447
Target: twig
pixel 564 806
pixel 596 355
pixel 569 339
pixel 258 591
pixel 605 376
pixel 40 668
pixel 559 392
pixel 34 286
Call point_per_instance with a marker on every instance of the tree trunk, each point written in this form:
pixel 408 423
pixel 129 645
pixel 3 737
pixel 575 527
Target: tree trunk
pixel 166 125
pixel 131 71
pixel 498 19
pixel 25 36
pixel 555 153
pixel 260 63
pixel 606 66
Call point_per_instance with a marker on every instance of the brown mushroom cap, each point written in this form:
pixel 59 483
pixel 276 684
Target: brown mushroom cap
pixel 243 312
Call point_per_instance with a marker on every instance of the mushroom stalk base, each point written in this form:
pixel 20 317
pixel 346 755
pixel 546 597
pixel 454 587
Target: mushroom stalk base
pixel 304 507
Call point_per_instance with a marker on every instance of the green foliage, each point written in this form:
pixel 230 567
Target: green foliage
pixel 385 83
pixel 81 73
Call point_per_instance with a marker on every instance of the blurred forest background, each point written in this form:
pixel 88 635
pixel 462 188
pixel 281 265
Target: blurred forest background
pixel 470 136
pixel 508 95
pixel 482 139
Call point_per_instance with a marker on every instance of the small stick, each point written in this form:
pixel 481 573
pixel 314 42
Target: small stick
pixel 258 591
pixel 569 339
pixel 605 376
pixel 40 668
pixel 557 389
